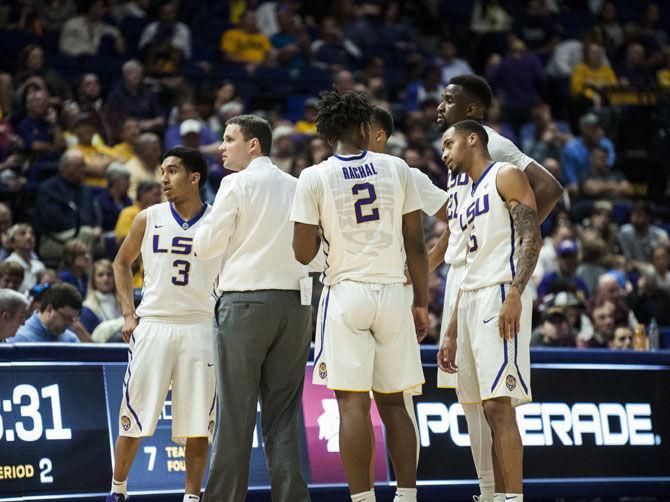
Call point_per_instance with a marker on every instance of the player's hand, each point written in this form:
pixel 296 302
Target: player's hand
pixel 446 356
pixel 130 322
pixel 421 322
pixel 510 315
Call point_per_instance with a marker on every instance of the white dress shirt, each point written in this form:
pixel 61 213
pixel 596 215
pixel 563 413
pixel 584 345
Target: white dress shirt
pixel 249 225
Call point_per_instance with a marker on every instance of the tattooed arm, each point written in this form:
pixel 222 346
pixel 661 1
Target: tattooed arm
pixel 515 190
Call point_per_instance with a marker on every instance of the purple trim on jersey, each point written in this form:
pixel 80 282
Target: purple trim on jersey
pixel 211 408
pixel 504 364
pixel 190 222
pixel 475 184
pixel 323 325
pixel 516 364
pixel 130 361
pixel 511 255
pixel 351 157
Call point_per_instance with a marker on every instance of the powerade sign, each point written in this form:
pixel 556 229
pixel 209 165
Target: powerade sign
pixel 547 424
pixel 586 421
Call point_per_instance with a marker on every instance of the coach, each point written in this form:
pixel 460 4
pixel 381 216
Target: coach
pixel 263 330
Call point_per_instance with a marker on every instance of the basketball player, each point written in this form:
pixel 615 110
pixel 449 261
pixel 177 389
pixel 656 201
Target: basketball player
pixel 170 334
pixel 365 208
pixel 494 308
pixel 469 97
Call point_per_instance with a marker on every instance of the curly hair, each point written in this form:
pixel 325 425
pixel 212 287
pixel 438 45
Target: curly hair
pixel 340 112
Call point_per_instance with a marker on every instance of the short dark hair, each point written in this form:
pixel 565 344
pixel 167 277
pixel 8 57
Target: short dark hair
pixel 146 186
pixel 61 295
pixel 191 159
pixel 11 268
pixel 384 119
pixel 341 112
pixel 475 86
pixel 642 206
pixel 253 126
pixel 472 126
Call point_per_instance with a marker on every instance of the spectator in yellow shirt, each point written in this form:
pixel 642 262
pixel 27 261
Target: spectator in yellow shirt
pixel 245 44
pixel 130 133
pixel 145 164
pixel 96 156
pixel 148 194
pixel 591 76
pixel 307 125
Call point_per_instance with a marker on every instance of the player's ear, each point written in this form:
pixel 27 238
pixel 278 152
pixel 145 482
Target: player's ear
pixel 196 178
pixel 471 109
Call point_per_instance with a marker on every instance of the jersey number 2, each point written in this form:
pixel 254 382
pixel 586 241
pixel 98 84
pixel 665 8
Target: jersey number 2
pixel 183 268
pixel 373 215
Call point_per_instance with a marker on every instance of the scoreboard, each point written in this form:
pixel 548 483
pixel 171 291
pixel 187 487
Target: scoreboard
pixel 592 420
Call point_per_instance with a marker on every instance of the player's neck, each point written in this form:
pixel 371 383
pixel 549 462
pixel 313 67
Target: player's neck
pixel 346 148
pixel 188 208
pixel 479 165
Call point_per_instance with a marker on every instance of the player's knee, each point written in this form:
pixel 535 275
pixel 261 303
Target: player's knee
pixel 353 403
pixel 497 411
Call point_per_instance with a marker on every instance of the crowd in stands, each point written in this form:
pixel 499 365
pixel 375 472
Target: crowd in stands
pixel 93 92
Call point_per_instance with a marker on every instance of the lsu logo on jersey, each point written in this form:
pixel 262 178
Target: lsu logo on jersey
pixel 476 207
pixel 179 245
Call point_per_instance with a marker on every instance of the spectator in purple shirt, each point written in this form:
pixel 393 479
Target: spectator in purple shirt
pixel 518 79
pixel 110 202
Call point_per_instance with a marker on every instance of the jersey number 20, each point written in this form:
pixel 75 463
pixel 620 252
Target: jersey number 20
pixel 373 215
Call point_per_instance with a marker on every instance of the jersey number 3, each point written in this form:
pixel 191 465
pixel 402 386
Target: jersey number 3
pixel 373 215
pixel 183 268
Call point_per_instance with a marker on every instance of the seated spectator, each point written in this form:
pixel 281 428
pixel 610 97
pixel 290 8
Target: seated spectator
pixel 13 310
pixel 602 319
pixel 164 63
pixel 5 223
pixel 594 251
pixel 548 260
pixel 54 13
pixel 612 290
pixel 539 125
pixel 494 119
pixel 622 338
pixel 332 49
pixel 283 147
pixel 130 133
pixel 40 132
pixel 589 78
pixel 601 223
pixel 244 44
pixel 554 330
pixel 62 203
pixel 564 279
pixel 634 71
pixel 89 100
pixel 602 182
pixel 292 42
pixel 188 110
pixel 148 194
pixel 22 240
pixel 11 275
pixel 649 301
pixel 180 34
pixel 131 98
pixel 307 123
pixel 59 311
pixel 145 164
pixel 97 157
pixel 111 201
pixel 430 85
pixel 575 159
pixel 537 28
pixel 83 35
pixel 75 265
pixel 609 26
pixel 101 303
pixel 452 65
pixel 31 64
pixel 638 238
pixel 660 259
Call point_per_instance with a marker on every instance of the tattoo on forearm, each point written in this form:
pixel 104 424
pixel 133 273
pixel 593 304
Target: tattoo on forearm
pixel 527 227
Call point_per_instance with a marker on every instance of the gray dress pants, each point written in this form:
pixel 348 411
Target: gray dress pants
pixel 261 347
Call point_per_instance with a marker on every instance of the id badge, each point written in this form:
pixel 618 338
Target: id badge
pixel 306 291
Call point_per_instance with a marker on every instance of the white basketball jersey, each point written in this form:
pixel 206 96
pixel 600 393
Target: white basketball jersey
pixel 177 286
pixel 492 245
pixel 500 149
pixel 432 197
pixel 358 201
